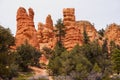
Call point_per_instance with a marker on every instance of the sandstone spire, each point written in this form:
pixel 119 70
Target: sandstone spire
pixel 25 28
pixel 69 17
pixel 45 33
pixel 73 35
pixel 49 22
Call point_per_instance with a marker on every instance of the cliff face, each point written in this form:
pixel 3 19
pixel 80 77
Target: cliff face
pixel 73 35
pixel 89 28
pixel 45 34
pixel 25 28
pixel 112 33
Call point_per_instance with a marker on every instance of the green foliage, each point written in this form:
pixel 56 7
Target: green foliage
pixel 24 76
pixel 47 52
pixel 105 47
pixel 81 62
pixel 113 46
pixel 116 60
pixel 85 37
pixel 55 60
pixel 71 63
pixel 6 39
pixel 60 29
pixel 81 65
pixel 101 32
pixel 8 68
pixel 96 68
pixel 59 48
pixel 96 55
pixel 27 56
pixel 93 52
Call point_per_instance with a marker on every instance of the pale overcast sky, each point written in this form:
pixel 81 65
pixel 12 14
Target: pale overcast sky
pixel 99 12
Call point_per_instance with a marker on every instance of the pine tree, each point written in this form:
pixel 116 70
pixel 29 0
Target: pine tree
pixel 60 30
pixel 116 60
pixel 85 37
pixel 27 56
pixel 101 32
pixel 7 58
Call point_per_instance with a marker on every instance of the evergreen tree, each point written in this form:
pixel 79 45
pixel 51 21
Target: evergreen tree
pixel 55 60
pixel 105 56
pixel 81 66
pixel 85 37
pixel 105 47
pixel 8 68
pixel 116 60
pixel 112 46
pixel 96 68
pixel 101 32
pixel 27 56
pixel 60 30
pixel 6 39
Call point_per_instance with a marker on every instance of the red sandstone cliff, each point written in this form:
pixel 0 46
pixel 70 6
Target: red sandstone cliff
pixel 112 33
pixel 89 28
pixel 25 28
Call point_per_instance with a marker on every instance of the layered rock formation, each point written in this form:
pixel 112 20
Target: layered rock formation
pixel 25 28
pixel 69 17
pixel 45 34
pixel 73 35
pixel 112 33
pixel 89 28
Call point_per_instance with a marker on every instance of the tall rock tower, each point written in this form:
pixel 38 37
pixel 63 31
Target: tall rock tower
pixel 46 36
pixel 73 34
pixel 25 28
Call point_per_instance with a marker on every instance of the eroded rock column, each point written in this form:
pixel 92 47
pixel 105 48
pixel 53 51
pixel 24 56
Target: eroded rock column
pixel 25 28
pixel 73 35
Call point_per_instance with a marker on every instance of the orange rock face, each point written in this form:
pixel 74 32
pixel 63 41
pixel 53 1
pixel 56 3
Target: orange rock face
pixel 25 28
pixel 75 29
pixel 45 34
pixel 112 33
pixel 73 35
pixel 89 28
pixel 69 17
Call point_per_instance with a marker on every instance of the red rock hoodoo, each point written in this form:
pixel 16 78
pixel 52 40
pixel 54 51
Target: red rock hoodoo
pixel 25 28
pixel 45 34
pixel 73 35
